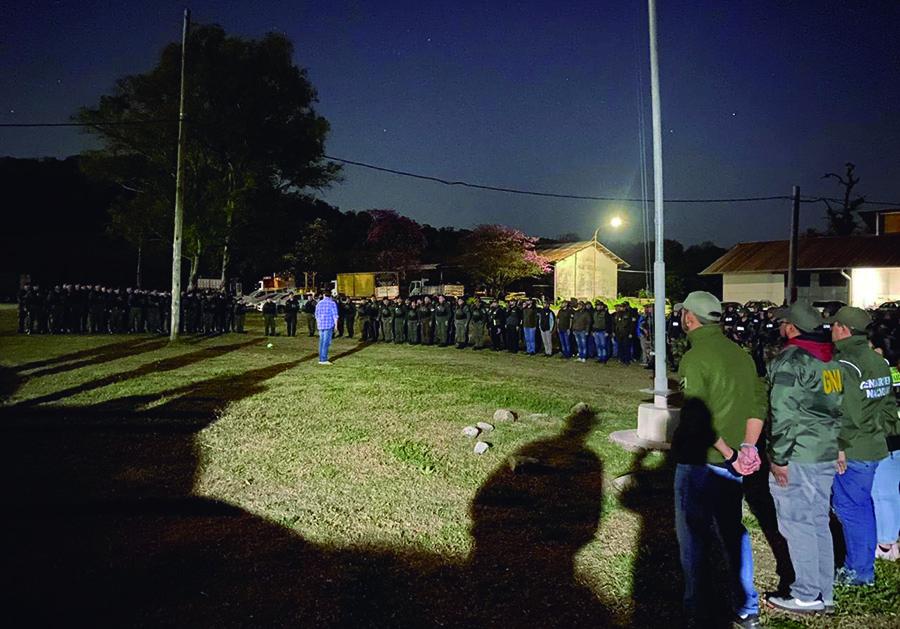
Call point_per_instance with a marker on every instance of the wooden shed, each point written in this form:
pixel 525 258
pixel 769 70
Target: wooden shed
pixel 583 270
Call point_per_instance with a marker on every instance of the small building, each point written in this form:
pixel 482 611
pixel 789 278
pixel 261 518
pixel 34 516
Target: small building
pixel 583 270
pixel 861 270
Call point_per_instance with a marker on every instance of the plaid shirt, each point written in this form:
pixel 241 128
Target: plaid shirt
pixel 326 314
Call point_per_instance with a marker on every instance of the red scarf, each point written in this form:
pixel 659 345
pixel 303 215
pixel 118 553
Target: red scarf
pixel 821 350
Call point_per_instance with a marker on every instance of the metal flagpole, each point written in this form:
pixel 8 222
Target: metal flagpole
pixel 660 380
pixel 175 318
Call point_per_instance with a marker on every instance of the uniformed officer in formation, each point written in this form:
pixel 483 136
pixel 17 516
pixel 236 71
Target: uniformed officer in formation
pixel 84 309
pixel 291 310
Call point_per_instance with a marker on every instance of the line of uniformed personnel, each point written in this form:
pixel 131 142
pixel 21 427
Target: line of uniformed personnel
pixel 84 309
pixel 577 329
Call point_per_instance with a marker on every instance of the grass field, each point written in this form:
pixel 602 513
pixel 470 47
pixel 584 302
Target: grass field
pixel 220 482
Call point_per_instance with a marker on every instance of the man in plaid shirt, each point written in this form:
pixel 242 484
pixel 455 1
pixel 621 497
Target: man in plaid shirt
pixel 326 321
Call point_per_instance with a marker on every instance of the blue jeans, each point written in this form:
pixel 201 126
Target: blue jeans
pixel 708 496
pixel 324 344
pixel 565 345
pixel 887 498
pixel 581 340
pixel 529 339
pixel 852 502
pixel 601 340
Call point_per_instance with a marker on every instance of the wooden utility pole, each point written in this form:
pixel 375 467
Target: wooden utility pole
pixel 175 321
pixel 790 289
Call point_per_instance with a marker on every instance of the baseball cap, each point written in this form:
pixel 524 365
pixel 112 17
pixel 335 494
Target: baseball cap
pixel 703 304
pixel 802 315
pixel 853 318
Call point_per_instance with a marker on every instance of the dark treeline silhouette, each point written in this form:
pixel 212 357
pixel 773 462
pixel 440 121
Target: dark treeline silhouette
pixel 103 524
pixel 58 229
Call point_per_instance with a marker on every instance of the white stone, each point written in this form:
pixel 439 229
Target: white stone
pixel 481 447
pixel 484 426
pixel 504 415
pixel 470 431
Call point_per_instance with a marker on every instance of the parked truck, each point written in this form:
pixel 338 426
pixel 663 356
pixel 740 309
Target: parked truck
pixel 377 284
pixel 421 287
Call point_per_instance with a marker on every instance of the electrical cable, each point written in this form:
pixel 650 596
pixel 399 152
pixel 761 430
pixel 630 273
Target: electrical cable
pixel 466 184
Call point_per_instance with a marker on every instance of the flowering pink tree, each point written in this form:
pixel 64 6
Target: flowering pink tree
pixel 398 241
pixel 498 255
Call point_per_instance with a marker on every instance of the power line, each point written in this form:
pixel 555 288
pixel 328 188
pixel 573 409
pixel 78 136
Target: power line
pixel 466 184
pixel 536 193
pixel 84 124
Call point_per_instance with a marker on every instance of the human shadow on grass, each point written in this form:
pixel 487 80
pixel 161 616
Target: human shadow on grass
pixel 529 521
pixel 166 364
pixel 91 356
pixel 105 525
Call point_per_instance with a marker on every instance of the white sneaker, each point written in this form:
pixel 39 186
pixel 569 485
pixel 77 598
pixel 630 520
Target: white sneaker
pixel 891 554
pixel 325 362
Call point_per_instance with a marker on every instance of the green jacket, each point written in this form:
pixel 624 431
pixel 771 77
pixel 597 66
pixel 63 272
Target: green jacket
pixel 581 322
pixel 722 376
pixel 805 395
pixel 869 408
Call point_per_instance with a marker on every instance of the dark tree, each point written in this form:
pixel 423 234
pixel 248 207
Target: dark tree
pixel 841 220
pixel 396 240
pixel 251 126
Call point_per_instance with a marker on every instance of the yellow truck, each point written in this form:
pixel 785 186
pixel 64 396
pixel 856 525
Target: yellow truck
pixel 375 284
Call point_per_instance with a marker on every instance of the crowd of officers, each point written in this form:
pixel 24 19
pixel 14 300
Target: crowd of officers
pixel 577 329
pixel 84 309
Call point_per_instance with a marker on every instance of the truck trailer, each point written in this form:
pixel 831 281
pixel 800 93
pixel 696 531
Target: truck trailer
pixel 378 284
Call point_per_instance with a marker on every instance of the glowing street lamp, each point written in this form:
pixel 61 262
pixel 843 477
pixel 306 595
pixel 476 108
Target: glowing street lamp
pixel 615 222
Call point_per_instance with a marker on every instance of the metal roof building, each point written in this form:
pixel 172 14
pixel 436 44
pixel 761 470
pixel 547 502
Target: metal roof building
pixel 860 270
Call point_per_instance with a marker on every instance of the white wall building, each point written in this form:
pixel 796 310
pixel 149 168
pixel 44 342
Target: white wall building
pixel 863 271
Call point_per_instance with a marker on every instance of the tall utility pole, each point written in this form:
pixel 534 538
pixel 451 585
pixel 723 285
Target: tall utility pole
pixel 790 290
pixel 175 321
pixel 660 380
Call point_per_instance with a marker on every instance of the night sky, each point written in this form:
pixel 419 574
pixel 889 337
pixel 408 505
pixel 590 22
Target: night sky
pixel 757 96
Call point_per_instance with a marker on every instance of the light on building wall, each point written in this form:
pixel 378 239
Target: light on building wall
pixel 865 287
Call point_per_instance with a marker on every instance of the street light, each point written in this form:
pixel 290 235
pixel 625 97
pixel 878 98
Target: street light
pixel 615 222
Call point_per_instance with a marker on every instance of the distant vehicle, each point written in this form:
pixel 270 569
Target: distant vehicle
pixel 420 287
pixel 762 304
pixel 890 305
pixel 277 296
pixel 377 284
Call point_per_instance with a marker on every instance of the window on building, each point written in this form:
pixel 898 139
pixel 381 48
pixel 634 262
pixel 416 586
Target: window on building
pixel 832 278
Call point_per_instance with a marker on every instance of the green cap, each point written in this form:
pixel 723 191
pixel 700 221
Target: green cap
pixel 802 315
pixel 853 318
pixel 704 305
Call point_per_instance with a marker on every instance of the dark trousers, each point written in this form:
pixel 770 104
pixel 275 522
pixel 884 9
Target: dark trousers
pixel 427 332
pixel 496 338
pixel 349 321
pixel 290 323
pixel 269 324
pixel 512 339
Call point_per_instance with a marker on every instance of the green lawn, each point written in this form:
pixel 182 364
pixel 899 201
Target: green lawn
pixel 220 482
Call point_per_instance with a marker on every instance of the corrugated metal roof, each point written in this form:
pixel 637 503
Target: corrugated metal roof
pixel 819 253
pixel 555 253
